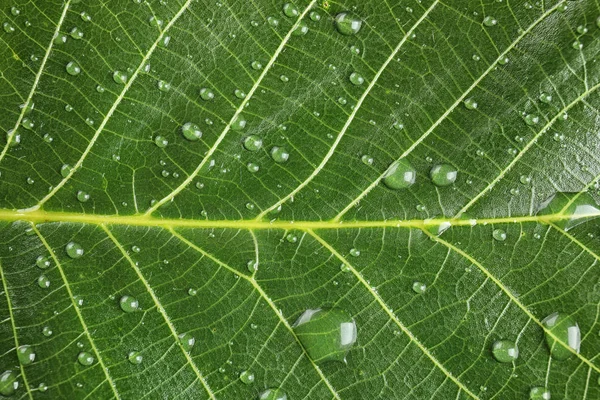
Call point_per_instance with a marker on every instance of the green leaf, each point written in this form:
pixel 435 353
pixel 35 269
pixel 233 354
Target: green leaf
pixel 181 180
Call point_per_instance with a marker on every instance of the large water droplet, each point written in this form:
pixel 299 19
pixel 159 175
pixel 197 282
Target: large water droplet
pixel 253 143
pixel 74 250
pixel 505 351
pixel 562 331
pixel 400 175
pixel 499 235
pixel 129 303
pixel 575 209
pixel 419 287
pixel 347 23
pixel 247 377
pixel 356 79
pixel 8 383
pixel 191 131
pixel 443 174
pixel 279 154
pixel 73 68
pixel 238 123
pixel 85 358
pixel 25 354
pixel 290 10
pixel 120 77
pixel 42 262
pixel 187 341
pixel 326 334
pixel 273 394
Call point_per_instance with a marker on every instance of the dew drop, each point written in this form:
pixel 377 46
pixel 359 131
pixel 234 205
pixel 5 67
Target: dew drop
pixel 42 387
pixel 367 159
pixel 347 23
pixel 136 249
pixel 83 196
pixel 290 10
pixel 525 180
pixel 128 303
pixel 562 331
pixel 192 292
pixel 47 331
pixel 43 282
pixel 206 94
pixel 490 21
pixel 279 154
pixel 470 104
pixel 240 94
pixel 252 167
pixel 60 39
pixel 354 252
pixel 76 33
pixel 8 383
pixel 545 97
pixel 187 341
pixel 85 358
pixel 314 16
pixel 164 86
pixel 15 11
pixel 443 174
pixel 120 77
pixel 253 143
pixel 154 21
pixel 65 170
pixel 252 266
pixel 272 394
pixel 247 377
pixel 291 238
pixel 499 235
pixel 238 123
pixel 539 393
pixel 505 351
pixel 8 28
pixel 74 250
pixel 42 262
pixel 284 78
pixel 26 354
pixel 161 141
pixel 419 287
pixel 531 119
pixel 356 79
pixel 85 17
pixel 134 357
pixel 274 22
pixel 191 131
pixel 580 207
pixel 400 175
pixel 301 29
pixel 73 68
pixel 256 65
pixel 577 45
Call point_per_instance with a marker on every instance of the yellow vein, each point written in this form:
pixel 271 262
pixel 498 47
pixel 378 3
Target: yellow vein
pixel 527 147
pixel 511 296
pixel 161 310
pixel 14 328
pixel 391 314
pixel 41 216
pixel 111 383
pixel 458 101
pixel 267 299
pixel 237 113
pixel 112 109
pixel 36 81
pixel 351 117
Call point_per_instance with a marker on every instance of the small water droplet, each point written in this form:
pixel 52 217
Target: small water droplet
pixel 545 97
pixel 192 292
pixel 85 17
pixel 400 175
pixel 76 33
pixel 187 341
pixel 274 22
pixel 83 196
pixel 42 387
pixel 128 303
pixel 347 23
pixel 240 94
pixel 272 394
pixel 73 68
pixel 43 282
pixel 120 77
pixel 279 154
pixel 25 354
pixel 314 16
pixel 191 131
pixel 252 167
pixel 47 331
pixel 443 174
pixel 539 393
pixel 85 358
pixel 238 123
pixel 490 21
pixel 499 235
pixel 247 377
pixel 367 159
pixel 161 141
pixel 135 357
pixel 290 10
pixel 164 86
pixel 419 287
pixel 42 262
pixel 470 104
pixel 156 22
pixel 531 119
pixel 8 383
pixel 74 250
pixel 356 79
pixel 291 238
pixel 257 65
pixel 354 252
pixel 505 351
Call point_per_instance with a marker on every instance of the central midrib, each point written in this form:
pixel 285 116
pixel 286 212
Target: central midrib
pixel 40 216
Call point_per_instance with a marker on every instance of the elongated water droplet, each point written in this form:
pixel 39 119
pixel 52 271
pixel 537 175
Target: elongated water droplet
pixel 347 23
pixel 273 394
pixel 563 336
pixel 85 17
pixel 74 250
pixel 25 354
pixel 419 287
pixel 400 175
pixel 247 377
pixel 575 209
pixel 187 341
pixel 135 357
pixel 279 154
pixel 326 334
pixel 191 131
pixel 490 21
pixel 85 358
pixel 8 383
pixel 505 351
pixel 76 33
pixel 73 68
pixel 128 303
pixel 443 174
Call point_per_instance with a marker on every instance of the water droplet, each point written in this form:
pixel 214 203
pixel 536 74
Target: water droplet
pixel 578 207
pixel 191 131
pixel 76 33
pixel 74 250
pixel 291 238
pixel 545 97
pixel 279 154
pixel 238 123
pixel 273 394
pixel 443 174
pixel 499 235
pixel 577 45
pixel 192 292
pixel 187 341
pixel 531 119
pixel 252 266
pixel 252 167
pixel 290 10
pixel 525 180
pixel 15 11
pixel 128 303
pixel 367 159
pixel 85 358
pixel 30 181
pixel 257 65
pixel 562 331
pixel 25 354
pixel 355 49
pixel 274 22
pixel 301 29
pixel 8 28
pixel 314 16
pixel 42 387
pixel 85 17
pixel 347 23
pixel 345 268
pixel 161 141
pixel 354 252
pixel 505 351
pixel 356 79
pixel 120 77
pixel 43 282
pixel 470 104
pixel 47 331
pixel 240 94
pixel 326 334
pixel 42 262
pixel 539 393
pixel 419 287
pixel 73 68
pixel 253 143
pixel 136 249
pixel 164 86
pixel 156 22
pixel 400 175
pixel 135 357
pixel 83 196
pixel 247 377
pixel 284 78
pixel 490 21
pixel 60 39
pixel 65 170
pixel 8 383
pixel 100 89
pixel 206 94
